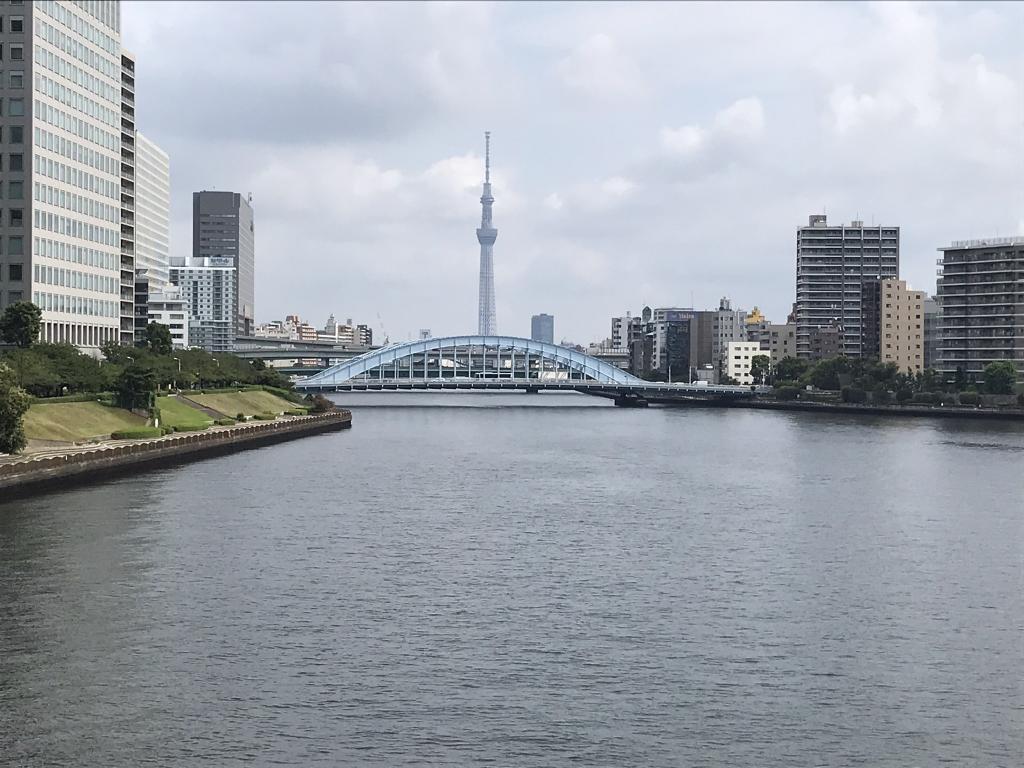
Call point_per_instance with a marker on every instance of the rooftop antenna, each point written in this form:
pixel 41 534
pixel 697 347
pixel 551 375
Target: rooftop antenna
pixel 487 156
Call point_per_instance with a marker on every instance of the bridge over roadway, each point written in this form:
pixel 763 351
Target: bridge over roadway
pixel 501 363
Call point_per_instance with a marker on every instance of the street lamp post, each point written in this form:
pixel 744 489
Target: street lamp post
pixel 178 361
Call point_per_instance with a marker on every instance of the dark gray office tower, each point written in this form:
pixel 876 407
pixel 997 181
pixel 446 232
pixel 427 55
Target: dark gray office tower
pixel 542 328
pixel 833 263
pixel 222 227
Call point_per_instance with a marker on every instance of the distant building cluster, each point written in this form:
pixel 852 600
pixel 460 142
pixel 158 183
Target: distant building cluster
pixel 294 329
pixel 850 301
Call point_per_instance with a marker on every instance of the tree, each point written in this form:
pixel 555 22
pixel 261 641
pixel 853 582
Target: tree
pixel 20 324
pixel 136 388
pixel 14 403
pixel 761 369
pixel 1000 378
pixel 158 339
pixel 790 368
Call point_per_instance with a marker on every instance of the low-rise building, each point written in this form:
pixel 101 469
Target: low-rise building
pixel 781 342
pixel 170 309
pixel 739 358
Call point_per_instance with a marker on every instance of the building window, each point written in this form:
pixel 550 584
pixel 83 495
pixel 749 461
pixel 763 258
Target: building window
pixel 15 190
pixel 17 23
pixel 16 162
pixel 17 78
pixel 17 52
pixel 14 273
pixel 17 134
pixel 15 245
pixel 16 216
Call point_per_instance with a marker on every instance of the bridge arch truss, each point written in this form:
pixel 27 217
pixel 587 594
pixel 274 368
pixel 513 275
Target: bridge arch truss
pixel 486 358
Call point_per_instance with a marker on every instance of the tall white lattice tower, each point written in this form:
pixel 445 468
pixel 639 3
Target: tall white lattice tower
pixel 486 235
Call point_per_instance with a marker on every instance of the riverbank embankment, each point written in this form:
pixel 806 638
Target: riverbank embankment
pixel 34 474
pixel 929 411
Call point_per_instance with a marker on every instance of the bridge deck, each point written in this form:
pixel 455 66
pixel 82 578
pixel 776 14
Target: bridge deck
pixel 645 389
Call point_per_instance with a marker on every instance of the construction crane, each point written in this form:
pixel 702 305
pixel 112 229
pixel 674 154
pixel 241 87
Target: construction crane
pixel 380 324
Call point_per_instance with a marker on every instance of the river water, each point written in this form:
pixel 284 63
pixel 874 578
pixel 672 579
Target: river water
pixel 530 581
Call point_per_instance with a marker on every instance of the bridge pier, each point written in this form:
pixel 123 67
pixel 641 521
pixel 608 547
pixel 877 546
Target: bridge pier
pixel 532 390
pixel 630 400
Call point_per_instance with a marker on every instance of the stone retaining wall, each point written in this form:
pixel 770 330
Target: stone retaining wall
pixel 56 472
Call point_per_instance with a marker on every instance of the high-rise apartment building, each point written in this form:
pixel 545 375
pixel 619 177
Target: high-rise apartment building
pixel 128 269
pixel 832 264
pixel 982 299
pixel 901 325
pixel 932 332
pixel 222 228
pixel 152 212
pixel 60 178
pixel 542 328
pixel 207 285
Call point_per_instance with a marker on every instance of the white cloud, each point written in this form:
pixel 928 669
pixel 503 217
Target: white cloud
pixel 685 140
pixel 597 69
pixel 743 118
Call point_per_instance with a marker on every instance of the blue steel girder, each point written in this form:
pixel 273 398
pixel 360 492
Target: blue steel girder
pixel 591 367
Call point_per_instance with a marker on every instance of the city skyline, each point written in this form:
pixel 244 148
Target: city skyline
pixel 691 184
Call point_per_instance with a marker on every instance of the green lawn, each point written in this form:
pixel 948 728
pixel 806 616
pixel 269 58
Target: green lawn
pixel 249 403
pixel 72 422
pixel 174 413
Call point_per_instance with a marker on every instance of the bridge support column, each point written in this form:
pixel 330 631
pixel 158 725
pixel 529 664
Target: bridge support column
pixel 630 400
pixel 532 390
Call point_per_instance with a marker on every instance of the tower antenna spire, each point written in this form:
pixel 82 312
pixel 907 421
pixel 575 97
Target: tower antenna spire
pixel 486 235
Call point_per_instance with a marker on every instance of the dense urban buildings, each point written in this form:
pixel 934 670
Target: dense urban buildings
pixel 982 300
pixel 832 265
pixel 222 228
pixel 207 284
pixel 61 173
pixel 542 328
pixel 295 329
pixel 902 326
pixel 487 323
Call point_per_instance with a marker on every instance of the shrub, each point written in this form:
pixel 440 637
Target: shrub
pixel 240 417
pixel 188 428
pixel 297 412
pixel 926 398
pixel 854 395
pixel 224 422
pixel 320 404
pixel 264 416
pixel 881 395
pixel 969 398
pixel 787 393
pixel 138 433
pixel 166 430
pixel 84 397
pixel 904 395
pixel 1020 399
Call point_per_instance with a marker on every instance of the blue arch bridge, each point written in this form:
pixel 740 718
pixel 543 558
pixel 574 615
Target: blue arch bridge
pixel 502 363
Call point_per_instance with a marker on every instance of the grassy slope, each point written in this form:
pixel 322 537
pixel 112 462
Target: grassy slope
pixel 249 403
pixel 174 413
pixel 76 421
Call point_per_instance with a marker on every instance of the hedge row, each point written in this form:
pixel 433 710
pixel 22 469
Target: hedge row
pixel 137 433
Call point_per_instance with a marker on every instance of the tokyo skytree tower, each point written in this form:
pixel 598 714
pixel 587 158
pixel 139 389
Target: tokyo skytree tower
pixel 486 235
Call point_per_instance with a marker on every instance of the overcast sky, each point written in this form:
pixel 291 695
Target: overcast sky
pixel 643 153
